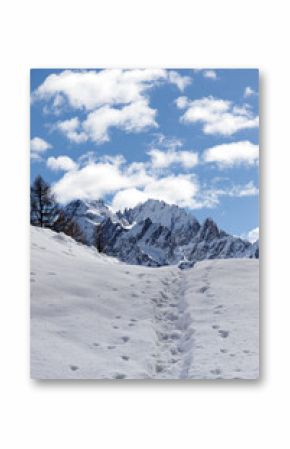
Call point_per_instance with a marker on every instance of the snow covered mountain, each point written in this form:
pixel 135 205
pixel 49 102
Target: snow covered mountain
pixel 88 214
pixel 155 234
pixel 94 317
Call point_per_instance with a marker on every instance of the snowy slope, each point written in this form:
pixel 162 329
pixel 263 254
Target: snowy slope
pixel 93 317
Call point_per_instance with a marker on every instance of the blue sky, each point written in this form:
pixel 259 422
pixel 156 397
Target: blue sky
pixel 188 137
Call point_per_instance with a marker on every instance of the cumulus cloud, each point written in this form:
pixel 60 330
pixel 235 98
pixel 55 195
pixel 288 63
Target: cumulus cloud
pixel 249 92
pixel 253 235
pixel 235 153
pixel 61 163
pixel 128 198
pixel 39 146
pixel 181 190
pixel 90 89
pixel 164 159
pixel 110 98
pixel 98 179
pixel 217 116
pixel 211 74
pixel 72 130
pixel 127 184
pixel 135 117
pixel 180 81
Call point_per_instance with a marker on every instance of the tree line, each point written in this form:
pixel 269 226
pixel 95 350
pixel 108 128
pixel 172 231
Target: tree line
pixel 45 212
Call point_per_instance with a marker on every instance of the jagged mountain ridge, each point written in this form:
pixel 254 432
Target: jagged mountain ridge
pixel 155 233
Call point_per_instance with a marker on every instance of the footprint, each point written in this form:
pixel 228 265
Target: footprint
pixel 96 344
pixel 118 317
pixel 220 306
pixel 111 347
pixel 115 327
pixel 223 351
pixel 114 289
pixel 246 351
pixel 159 368
pixel 134 295
pixel 175 335
pixel 216 371
pixel 51 273
pixel 203 289
pixel 171 316
pixel 215 326
pixel 125 339
pixel 133 320
pixel 131 324
pixel 32 273
pixel 74 367
pixel 125 357
pixel 223 334
pixel 119 376
pixel 217 312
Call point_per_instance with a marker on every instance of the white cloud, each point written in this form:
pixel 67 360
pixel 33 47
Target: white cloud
pixel 72 130
pixel 210 74
pixel 135 117
pixel 129 183
pixel 164 159
pixel 90 89
pixel 128 198
pixel 61 163
pixel 230 154
pixel 111 98
pixel 98 179
pixel 235 191
pixel 38 145
pixel 217 116
pixel 253 235
pixel 181 190
pixel 247 190
pixel 180 81
pixel 249 92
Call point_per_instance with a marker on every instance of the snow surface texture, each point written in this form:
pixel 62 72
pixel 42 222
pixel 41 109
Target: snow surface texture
pixel 93 317
pixel 155 233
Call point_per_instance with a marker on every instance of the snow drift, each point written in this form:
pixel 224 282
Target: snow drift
pixel 93 317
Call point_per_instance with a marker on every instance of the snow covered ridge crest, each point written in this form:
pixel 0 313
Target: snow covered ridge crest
pixel 155 234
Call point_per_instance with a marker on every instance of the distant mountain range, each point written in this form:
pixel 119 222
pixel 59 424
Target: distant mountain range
pixel 155 234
